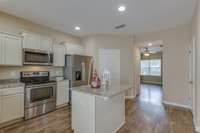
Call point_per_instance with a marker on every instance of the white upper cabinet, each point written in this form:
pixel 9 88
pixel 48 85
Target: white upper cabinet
pixel 31 41
pixel 75 49
pixel 59 55
pixel 11 50
pixel 46 44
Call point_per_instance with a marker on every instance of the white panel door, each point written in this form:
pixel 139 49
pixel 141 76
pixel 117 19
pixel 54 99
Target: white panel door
pixel 12 107
pixel 31 41
pixel 12 50
pixel 59 55
pixel 109 60
pixel 46 44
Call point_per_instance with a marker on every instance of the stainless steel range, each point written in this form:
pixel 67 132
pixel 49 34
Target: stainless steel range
pixel 40 93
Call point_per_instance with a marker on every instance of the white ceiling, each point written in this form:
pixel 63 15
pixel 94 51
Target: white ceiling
pixel 101 16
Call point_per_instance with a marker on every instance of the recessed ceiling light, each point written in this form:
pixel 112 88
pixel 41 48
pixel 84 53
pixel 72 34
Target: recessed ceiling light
pixel 150 44
pixel 121 8
pixel 77 28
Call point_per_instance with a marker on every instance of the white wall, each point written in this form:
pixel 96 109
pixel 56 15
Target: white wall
pixel 124 43
pixel 196 35
pixel 175 62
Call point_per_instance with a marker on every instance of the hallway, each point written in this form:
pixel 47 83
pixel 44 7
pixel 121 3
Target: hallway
pixel 147 114
pixel 151 93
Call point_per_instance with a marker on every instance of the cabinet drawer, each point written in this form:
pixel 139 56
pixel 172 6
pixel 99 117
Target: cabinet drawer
pixel 64 83
pixel 12 91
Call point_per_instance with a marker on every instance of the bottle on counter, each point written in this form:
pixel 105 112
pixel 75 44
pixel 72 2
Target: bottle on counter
pixel 96 82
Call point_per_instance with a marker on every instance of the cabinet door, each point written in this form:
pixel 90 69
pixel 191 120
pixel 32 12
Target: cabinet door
pixel 46 44
pixel 1 49
pixel 59 55
pixel 12 107
pixel 0 109
pixel 31 41
pixel 62 93
pixel 12 50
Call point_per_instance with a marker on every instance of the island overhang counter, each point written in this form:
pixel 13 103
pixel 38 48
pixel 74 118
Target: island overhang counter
pixel 98 110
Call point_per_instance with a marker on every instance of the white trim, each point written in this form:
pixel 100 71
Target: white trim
pixel 129 97
pixel 197 128
pixel 120 126
pixel 177 105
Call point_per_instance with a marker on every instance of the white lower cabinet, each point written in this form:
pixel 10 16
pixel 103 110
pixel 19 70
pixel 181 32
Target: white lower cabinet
pixel 11 104
pixel 0 109
pixel 12 107
pixel 62 92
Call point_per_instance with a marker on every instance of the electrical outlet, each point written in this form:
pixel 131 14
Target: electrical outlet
pixel 57 73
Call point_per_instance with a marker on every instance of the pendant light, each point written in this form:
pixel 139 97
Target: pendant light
pixel 146 52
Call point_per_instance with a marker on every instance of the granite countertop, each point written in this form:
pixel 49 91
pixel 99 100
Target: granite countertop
pixel 105 93
pixel 10 83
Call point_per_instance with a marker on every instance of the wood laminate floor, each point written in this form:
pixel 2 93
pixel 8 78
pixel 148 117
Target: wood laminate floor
pixel 145 114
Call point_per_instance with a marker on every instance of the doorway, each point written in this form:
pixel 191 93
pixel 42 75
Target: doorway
pixel 151 74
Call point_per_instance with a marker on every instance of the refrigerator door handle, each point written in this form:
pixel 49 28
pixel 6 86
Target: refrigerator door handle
pixel 83 72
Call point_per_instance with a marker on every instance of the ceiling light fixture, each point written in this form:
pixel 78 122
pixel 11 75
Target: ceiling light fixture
pixel 121 8
pixel 150 44
pixel 77 28
pixel 146 52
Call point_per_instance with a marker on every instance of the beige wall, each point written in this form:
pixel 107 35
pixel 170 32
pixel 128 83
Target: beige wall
pixel 196 37
pixel 124 43
pixel 16 25
pixel 175 62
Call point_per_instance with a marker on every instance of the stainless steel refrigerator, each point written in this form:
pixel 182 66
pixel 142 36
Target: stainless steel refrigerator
pixel 78 69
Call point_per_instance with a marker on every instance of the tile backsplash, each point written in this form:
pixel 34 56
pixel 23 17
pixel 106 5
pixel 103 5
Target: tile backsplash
pixel 14 72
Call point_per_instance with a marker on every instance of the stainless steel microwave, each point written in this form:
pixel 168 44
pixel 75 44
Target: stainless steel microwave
pixel 37 57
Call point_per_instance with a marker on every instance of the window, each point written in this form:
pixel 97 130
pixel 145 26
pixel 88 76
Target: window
pixel 151 67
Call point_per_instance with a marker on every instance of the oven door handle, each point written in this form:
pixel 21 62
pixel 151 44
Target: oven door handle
pixel 40 86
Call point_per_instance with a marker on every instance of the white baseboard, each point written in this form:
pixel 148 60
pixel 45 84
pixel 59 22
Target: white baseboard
pixel 130 97
pixel 197 128
pixel 122 124
pixel 177 105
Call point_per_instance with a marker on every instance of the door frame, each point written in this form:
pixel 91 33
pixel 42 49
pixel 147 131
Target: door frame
pixel 192 79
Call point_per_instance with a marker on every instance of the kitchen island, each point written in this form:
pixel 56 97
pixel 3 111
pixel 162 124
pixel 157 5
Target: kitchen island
pixel 98 110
